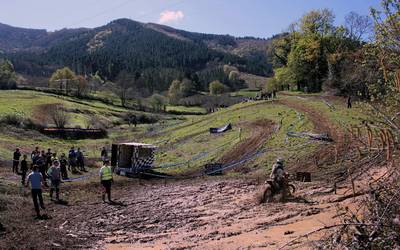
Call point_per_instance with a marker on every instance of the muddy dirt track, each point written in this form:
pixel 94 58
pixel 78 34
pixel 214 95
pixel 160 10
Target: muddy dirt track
pixel 200 214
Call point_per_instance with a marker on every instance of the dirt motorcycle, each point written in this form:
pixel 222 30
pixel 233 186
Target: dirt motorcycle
pixel 271 189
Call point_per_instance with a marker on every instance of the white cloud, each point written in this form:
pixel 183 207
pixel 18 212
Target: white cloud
pixel 168 16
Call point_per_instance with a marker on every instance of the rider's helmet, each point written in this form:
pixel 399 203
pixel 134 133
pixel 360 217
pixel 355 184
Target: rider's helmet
pixel 280 161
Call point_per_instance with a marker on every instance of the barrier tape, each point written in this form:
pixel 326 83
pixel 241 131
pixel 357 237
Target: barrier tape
pixel 231 165
pixel 196 157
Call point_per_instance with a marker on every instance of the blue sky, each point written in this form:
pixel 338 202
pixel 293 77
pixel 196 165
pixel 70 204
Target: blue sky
pixel 260 18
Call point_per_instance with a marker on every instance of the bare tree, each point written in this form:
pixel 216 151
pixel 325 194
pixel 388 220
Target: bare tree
pixel 358 26
pixel 125 84
pixel 59 116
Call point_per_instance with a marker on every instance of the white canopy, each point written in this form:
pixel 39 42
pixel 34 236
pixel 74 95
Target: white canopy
pixel 138 144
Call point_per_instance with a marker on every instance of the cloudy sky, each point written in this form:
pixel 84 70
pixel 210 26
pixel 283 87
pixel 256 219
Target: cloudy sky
pixel 260 18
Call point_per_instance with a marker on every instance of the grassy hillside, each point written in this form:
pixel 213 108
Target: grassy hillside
pixel 36 105
pixel 181 139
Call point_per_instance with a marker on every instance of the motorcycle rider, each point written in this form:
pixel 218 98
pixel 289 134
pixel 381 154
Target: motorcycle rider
pixel 278 173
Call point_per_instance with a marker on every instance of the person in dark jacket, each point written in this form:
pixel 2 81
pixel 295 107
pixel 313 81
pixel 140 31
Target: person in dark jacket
pixel 72 160
pixel 41 164
pixel 24 169
pixel 349 102
pixel 49 154
pixel 104 154
pixel 80 158
pixel 63 167
pixel 16 158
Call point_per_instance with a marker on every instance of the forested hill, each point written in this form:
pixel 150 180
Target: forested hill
pixel 126 45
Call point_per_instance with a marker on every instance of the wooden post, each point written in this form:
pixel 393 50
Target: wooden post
pixel 316 161
pixel 389 148
pixel 383 141
pixel 336 153
pixel 334 188
pixel 369 137
pixel 359 153
pixel 351 133
pixel 352 182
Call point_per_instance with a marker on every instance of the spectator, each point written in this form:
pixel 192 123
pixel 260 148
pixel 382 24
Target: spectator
pixel 63 167
pixel 106 179
pixel 16 158
pixel 104 154
pixel 24 169
pixel 72 159
pixel 34 157
pixel 36 180
pixel 349 102
pixel 35 153
pixel 41 163
pixel 49 154
pixel 54 174
pixel 54 157
pixel 80 160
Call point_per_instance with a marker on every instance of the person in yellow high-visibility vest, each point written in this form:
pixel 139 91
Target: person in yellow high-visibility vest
pixel 106 179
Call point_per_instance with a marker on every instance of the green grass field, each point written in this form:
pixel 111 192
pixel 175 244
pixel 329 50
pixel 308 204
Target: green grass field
pixel 185 109
pixel 245 93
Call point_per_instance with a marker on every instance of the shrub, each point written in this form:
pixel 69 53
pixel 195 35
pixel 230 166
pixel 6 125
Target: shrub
pixel 14 119
pixel 30 124
pixel 94 123
pixel 142 118
pixel 217 88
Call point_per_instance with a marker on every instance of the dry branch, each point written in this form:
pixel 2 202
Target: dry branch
pixel 324 228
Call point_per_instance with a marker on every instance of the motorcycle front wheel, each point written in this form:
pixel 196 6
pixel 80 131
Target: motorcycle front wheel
pixel 268 194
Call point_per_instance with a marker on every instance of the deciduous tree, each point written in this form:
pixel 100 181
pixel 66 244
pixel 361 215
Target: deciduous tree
pixel 217 88
pixel 8 77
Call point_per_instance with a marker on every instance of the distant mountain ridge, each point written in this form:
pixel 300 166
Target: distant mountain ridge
pixel 124 44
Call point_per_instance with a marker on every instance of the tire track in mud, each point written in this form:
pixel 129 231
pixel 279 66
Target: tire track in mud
pixel 185 214
pixel 261 130
pixel 325 152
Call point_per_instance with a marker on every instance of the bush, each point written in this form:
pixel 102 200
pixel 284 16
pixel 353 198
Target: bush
pixel 30 124
pixel 130 118
pixel 142 118
pixel 94 123
pixel 14 119
pixel 217 88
